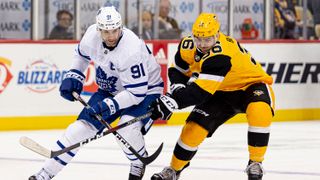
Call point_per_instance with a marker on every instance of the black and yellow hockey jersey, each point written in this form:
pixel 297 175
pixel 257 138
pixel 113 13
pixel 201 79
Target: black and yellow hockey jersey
pixel 227 67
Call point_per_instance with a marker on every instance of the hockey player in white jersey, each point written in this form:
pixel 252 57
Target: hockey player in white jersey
pixel 129 80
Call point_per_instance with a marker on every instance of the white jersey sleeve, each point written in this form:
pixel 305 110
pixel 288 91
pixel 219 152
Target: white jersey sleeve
pixel 134 78
pixel 83 50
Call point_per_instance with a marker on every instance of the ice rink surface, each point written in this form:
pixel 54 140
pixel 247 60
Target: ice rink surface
pixel 293 154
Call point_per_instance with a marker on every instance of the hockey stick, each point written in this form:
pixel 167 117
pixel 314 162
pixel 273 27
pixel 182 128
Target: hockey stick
pixel 32 145
pixel 144 160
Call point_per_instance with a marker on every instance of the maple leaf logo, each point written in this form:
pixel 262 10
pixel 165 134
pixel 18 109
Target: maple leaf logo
pixel 105 82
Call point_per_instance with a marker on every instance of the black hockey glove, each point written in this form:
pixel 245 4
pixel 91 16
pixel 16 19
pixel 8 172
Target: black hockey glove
pixel 162 107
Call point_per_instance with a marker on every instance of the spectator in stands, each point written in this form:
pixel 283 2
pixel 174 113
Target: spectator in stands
pixel 168 27
pixel 147 26
pixel 61 30
pixel 285 20
pixel 314 7
pixel 300 21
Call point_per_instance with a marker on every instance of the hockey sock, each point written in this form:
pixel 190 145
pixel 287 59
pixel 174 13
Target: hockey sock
pixel 132 134
pixel 259 115
pixel 191 137
pixel 76 132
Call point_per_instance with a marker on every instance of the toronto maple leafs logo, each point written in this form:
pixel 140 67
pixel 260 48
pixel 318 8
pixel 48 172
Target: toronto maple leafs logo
pixel 105 82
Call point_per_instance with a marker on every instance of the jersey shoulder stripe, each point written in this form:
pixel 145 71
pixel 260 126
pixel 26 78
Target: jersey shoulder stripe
pixel 218 65
pixel 81 54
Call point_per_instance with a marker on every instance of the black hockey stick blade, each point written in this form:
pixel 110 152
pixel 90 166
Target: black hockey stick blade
pixel 151 158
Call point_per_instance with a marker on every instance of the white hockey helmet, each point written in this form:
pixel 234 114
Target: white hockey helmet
pixel 108 18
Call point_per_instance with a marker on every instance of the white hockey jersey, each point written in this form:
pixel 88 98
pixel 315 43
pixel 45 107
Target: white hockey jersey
pixel 129 71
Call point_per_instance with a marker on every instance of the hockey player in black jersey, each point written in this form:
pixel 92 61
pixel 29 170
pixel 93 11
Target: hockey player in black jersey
pixel 230 81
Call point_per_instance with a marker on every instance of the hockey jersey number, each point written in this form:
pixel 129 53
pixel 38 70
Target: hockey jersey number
pixel 137 71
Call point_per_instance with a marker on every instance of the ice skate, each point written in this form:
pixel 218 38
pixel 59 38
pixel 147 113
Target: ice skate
pixel 41 175
pixel 166 174
pixel 136 171
pixel 157 176
pixel 254 170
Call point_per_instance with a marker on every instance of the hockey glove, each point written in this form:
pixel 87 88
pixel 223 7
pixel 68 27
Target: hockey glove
pixel 106 108
pixel 162 107
pixel 73 81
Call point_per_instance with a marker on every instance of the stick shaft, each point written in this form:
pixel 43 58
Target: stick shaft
pixel 97 136
pixel 144 160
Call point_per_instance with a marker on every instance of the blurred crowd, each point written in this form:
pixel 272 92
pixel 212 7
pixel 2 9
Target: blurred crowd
pixel 167 26
pixel 292 19
pixel 288 22
pixel 289 19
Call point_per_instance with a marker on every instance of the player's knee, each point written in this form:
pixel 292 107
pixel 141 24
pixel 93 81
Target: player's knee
pixel 259 114
pixel 193 134
pixel 130 132
pixel 79 130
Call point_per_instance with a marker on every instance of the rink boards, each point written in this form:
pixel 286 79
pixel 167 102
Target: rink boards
pixel 30 74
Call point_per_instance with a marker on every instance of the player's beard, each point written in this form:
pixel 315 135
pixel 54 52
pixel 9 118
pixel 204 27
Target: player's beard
pixel 204 49
pixel 111 43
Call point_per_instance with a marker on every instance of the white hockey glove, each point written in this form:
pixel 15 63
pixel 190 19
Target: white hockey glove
pixel 163 107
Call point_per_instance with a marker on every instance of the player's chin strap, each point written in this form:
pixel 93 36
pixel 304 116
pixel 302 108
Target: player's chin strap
pixel 144 160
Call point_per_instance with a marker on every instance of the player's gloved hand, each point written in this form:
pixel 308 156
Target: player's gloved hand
pixel 106 108
pixel 73 81
pixel 162 107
